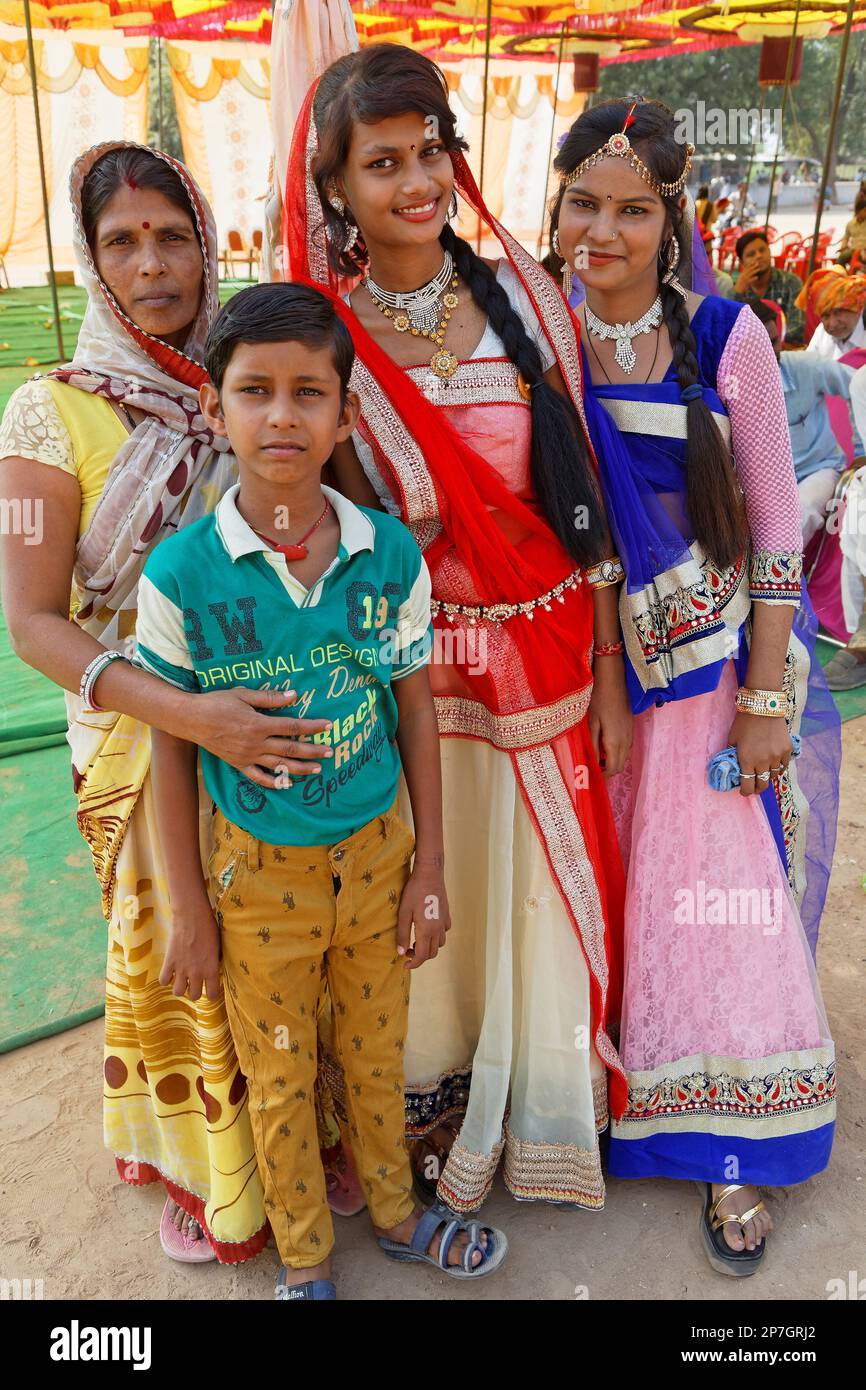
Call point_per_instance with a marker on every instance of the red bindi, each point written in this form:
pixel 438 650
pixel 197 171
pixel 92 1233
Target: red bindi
pixel 146 226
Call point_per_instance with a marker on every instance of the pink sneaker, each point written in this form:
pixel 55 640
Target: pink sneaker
pixel 345 1197
pixel 178 1246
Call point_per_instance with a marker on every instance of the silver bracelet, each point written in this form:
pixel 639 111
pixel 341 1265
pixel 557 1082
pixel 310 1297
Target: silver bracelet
pixel 90 675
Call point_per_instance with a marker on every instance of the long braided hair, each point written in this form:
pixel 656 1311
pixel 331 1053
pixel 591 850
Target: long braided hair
pixel 385 80
pixel 714 499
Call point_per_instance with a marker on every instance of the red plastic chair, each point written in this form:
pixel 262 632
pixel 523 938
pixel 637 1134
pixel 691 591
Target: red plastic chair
pixel 784 247
pixel 727 253
pixel 799 261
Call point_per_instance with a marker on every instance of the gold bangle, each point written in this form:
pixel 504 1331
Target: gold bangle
pixel 772 704
pixel 605 573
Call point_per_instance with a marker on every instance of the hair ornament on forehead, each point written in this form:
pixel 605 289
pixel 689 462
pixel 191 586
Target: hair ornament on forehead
pixel 619 147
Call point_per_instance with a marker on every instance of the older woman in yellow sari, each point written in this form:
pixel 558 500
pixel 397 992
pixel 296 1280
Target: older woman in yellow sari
pixel 114 453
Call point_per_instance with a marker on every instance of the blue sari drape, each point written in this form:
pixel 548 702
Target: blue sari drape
pixel 700 615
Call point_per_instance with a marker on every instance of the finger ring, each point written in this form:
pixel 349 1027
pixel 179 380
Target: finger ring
pixel 763 776
pixel 747 776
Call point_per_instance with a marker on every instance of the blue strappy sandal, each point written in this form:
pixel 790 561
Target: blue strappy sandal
pixel 313 1288
pixel 440 1215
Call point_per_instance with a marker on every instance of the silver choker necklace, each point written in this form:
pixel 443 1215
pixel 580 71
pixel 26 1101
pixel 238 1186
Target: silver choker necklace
pixel 624 332
pixel 421 305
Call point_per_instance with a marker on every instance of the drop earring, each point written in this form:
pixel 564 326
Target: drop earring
pixel 351 230
pixel 567 279
pixel 670 258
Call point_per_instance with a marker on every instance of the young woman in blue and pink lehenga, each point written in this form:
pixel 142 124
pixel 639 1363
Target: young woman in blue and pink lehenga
pixel 724 1038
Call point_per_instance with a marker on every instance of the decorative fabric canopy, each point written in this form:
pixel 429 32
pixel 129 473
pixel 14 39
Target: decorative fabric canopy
pixel 454 30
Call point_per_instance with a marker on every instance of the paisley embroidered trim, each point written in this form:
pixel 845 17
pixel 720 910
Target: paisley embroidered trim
pixel 775 575
pixel 463 718
pixel 683 620
pixel 752 1089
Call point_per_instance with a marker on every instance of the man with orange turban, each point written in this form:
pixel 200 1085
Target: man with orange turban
pixel 838 300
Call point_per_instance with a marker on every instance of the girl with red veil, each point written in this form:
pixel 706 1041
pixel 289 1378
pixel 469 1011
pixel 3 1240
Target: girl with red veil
pixel 482 450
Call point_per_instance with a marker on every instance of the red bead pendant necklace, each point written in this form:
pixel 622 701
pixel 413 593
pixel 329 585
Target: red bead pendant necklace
pixel 298 551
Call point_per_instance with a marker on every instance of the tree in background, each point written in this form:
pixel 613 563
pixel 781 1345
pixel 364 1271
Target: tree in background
pixel 728 78
pixel 171 141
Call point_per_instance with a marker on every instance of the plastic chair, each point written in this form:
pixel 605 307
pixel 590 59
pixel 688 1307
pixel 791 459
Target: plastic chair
pixel 728 248
pixel 236 250
pixel 785 246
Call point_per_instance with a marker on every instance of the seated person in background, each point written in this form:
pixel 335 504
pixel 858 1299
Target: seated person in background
pixel 706 213
pixel 838 300
pixel 818 460
pixel 758 278
pixel 854 240
pixel 847 669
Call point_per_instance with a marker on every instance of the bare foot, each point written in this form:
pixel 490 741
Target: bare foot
pixel 737 1204
pixel 405 1231
pixel 187 1225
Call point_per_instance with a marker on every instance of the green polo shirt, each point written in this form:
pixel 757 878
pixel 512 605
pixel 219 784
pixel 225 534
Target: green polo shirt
pixel 217 607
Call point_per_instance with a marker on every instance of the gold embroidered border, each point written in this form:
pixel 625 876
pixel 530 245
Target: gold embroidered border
pixel 554 315
pixel 599 1102
pixel 572 870
pixel 793 804
pixel 467 1177
pixel 316 235
pixel 659 418
pixel 553 1172
pixel 487 381
pixel 463 718
pixel 403 454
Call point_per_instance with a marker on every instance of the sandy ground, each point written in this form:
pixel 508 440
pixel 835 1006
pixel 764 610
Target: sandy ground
pixel 65 1218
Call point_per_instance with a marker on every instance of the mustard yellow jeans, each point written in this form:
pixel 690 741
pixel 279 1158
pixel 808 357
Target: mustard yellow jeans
pixel 289 917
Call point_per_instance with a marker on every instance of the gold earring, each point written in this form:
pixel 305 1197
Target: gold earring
pixel 567 279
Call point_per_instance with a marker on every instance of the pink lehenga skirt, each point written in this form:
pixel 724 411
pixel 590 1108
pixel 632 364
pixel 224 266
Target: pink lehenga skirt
pixel 724 1038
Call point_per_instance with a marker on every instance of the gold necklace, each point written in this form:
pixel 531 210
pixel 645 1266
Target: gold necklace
pixel 443 362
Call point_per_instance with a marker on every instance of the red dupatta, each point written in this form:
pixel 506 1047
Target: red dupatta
pixel 532 696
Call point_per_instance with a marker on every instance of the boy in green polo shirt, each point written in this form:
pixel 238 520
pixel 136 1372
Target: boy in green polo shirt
pixel 290 585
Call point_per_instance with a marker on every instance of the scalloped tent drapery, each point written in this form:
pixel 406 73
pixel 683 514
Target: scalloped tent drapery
pixel 454 30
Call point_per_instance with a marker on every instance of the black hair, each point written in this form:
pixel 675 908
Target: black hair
pixel 756 234
pixel 384 80
pixel 714 499
pixel 137 168
pixel 704 191
pixel 763 311
pixel 278 313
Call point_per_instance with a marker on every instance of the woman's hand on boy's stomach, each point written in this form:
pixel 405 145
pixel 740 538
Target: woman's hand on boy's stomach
pixel 424 906
pixel 192 957
pixel 236 727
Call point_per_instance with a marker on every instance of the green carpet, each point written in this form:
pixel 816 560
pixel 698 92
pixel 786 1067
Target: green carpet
pixel 52 962
pixel 52 932
pixel 27 330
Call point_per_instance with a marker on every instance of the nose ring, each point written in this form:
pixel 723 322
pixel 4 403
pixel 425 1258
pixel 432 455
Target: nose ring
pixel 613 236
